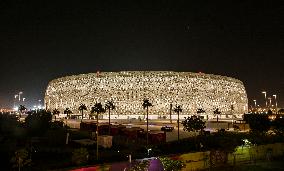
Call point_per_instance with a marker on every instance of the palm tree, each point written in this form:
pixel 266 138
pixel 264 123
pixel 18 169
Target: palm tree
pixel 68 112
pixel 200 111
pixel 82 107
pixel 217 112
pixel 55 112
pixel 109 106
pixel 21 159
pixel 146 104
pixel 178 110
pixel 97 108
pixel 171 106
pixel 21 109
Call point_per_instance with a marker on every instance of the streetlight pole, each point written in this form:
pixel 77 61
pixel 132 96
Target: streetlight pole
pixel 20 95
pixel 15 97
pixel 254 104
pixel 269 98
pixel 39 104
pixel 24 100
pixel 264 92
pixel 275 103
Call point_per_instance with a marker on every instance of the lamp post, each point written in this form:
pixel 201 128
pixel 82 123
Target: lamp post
pixel 254 104
pixel 39 104
pixel 23 100
pixel 20 93
pixel 15 97
pixel 275 103
pixel 264 92
pixel 269 98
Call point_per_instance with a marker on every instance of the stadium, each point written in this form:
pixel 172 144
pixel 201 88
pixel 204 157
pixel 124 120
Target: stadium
pixel 127 89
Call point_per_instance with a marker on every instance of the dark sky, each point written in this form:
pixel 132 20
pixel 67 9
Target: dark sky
pixel 42 40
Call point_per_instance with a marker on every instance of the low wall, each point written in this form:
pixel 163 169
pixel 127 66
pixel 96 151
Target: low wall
pixel 243 154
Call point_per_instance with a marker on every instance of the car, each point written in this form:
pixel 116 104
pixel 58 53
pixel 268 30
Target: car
pixel 167 128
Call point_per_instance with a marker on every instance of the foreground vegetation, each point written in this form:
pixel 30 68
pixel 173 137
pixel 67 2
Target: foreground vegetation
pixel 40 144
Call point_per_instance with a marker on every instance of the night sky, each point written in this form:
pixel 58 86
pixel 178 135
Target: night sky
pixel 42 40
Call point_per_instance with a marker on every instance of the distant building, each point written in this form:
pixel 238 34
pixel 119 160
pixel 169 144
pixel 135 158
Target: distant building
pixel 127 89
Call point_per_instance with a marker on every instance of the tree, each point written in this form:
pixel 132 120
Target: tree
pixel 98 108
pixel 171 106
pixel 37 123
pixel 55 112
pixel 80 156
pixel 170 164
pixel 217 112
pixel 21 159
pixel 178 110
pixel 140 166
pixel 109 106
pixel 200 110
pixel 21 109
pixel 193 123
pixel 82 107
pixel 281 111
pixel 9 125
pixel 258 123
pixel 68 112
pixel 220 145
pixel 278 125
pixel 146 104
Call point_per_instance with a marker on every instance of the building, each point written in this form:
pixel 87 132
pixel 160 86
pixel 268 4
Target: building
pixel 127 89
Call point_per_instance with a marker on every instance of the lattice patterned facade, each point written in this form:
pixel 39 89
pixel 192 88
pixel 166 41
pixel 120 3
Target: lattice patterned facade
pixel 128 89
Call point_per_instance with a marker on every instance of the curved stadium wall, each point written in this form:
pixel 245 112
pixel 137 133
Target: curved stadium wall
pixel 128 89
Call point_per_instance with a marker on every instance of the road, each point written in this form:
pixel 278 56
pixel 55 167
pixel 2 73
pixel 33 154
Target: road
pixel 155 125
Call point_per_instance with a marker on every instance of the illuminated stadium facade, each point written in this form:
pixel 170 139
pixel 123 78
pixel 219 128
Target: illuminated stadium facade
pixel 127 89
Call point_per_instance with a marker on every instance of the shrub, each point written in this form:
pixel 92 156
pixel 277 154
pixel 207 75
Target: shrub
pixel 258 122
pixel 80 156
pixel 38 123
pixel 170 164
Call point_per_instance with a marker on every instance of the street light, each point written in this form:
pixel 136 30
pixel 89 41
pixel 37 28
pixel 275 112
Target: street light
pixel 264 92
pixel 269 98
pixel 254 103
pixel 24 100
pixel 20 95
pixel 275 102
pixel 148 151
pixel 39 104
pixel 15 97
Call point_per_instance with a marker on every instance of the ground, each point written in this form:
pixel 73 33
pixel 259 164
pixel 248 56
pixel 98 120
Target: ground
pixel 157 124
